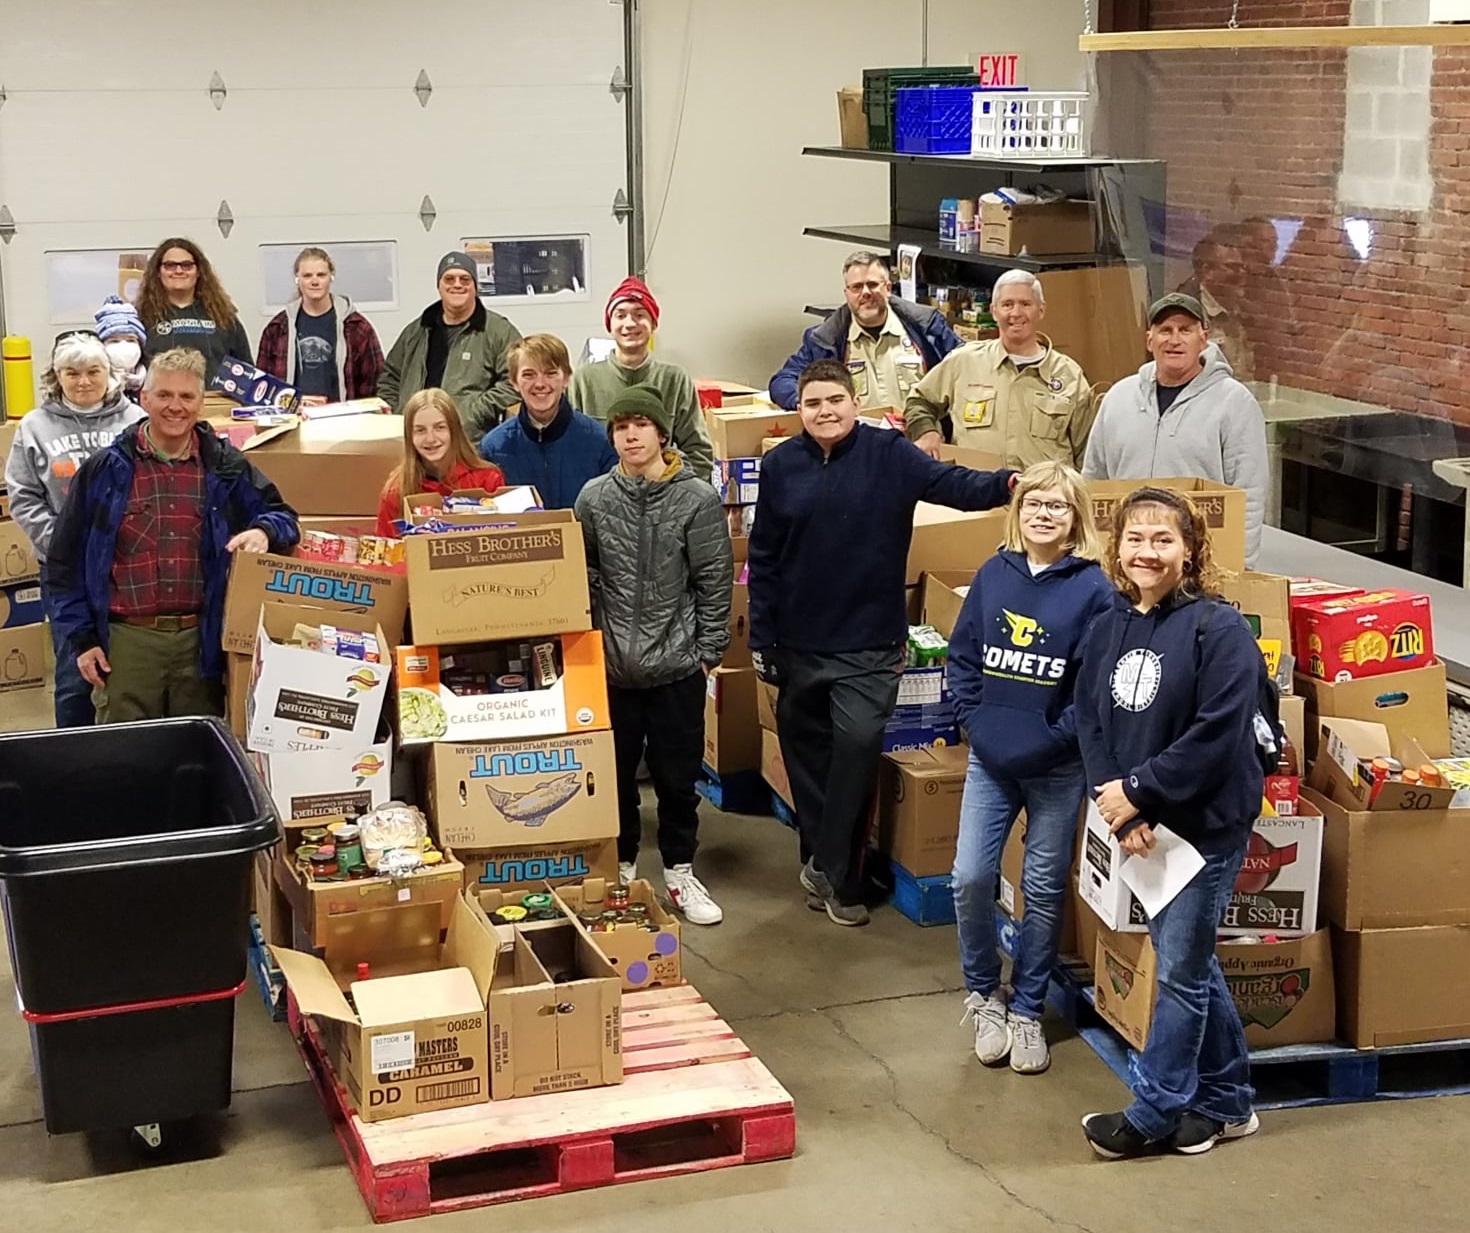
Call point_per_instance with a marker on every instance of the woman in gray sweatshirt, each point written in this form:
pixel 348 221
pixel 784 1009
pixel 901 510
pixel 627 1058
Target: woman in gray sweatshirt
pixel 83 408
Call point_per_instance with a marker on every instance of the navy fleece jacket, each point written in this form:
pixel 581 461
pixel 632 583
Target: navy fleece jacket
pixel 1013 660
pixel 1172 716
pixel 829 550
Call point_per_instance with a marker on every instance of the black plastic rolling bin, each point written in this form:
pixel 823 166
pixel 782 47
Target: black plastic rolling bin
pixel 125 868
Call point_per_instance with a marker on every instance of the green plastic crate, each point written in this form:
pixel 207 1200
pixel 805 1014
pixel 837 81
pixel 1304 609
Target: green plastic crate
pixel 880 94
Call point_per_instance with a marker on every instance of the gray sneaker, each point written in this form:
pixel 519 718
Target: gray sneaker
pixel 817 886
pixel 845 913
pixel 992 1028
pixel 1029 1054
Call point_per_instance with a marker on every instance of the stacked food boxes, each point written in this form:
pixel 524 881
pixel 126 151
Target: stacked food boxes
pixel 23 638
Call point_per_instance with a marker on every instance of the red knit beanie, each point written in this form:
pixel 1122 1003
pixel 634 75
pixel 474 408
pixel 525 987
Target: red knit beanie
pixel 631 289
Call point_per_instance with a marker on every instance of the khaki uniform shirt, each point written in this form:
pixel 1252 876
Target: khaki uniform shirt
pixel 886 368
pixel 1034 413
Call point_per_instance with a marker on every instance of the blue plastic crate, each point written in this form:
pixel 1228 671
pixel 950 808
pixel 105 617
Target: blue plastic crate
pixel 933 119
pixel 925 901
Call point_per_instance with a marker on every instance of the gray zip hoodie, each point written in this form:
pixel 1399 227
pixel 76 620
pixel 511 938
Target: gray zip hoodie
pixel 1215 430
pixel 50 446
pixel 343 307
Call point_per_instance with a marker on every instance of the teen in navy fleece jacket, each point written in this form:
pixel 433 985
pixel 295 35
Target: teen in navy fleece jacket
pixel 1012 666
pixel 828 557
pixel 1166 703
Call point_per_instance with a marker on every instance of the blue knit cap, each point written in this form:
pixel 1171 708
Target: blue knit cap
pixel 117 319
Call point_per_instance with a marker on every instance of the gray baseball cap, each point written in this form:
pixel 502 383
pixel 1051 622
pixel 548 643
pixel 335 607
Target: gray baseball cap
pixel 1176 300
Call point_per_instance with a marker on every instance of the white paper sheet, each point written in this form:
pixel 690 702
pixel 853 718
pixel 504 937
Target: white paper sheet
pixel 1158 877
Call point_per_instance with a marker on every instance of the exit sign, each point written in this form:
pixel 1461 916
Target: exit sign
pixel 1002 70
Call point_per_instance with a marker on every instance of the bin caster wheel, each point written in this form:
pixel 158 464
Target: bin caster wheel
pixel 149 1139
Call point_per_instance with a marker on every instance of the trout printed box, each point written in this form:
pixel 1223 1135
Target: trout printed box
pixel 514 794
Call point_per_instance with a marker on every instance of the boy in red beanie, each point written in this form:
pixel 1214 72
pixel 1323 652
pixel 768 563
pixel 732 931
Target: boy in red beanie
pixel 631 317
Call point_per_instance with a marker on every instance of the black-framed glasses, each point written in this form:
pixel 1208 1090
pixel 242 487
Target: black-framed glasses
pixel 178 267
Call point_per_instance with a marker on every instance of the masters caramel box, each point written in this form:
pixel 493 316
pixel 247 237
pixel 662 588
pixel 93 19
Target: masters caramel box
pixel 1349 637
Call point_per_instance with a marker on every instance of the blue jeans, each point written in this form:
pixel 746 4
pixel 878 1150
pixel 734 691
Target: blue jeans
pixel 987 812
pixel 1195 1057
pixel 73 696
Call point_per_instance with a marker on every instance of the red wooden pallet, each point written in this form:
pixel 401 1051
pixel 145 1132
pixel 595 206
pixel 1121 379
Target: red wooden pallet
pixel 692 1098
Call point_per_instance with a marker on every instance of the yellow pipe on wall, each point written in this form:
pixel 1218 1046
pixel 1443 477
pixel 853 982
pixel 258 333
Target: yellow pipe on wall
pixel 20 377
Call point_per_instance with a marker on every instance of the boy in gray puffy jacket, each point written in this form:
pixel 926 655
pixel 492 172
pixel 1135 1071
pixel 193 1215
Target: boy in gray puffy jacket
pixel 661 571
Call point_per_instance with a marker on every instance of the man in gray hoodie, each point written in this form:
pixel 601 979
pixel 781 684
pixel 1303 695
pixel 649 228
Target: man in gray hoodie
pixel 84 408
pixel 1184 414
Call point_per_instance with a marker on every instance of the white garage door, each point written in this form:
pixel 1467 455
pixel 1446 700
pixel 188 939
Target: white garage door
pixel 110 141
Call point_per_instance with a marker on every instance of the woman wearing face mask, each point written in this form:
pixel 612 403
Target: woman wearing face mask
pixel 122 333
pixel 1167 701
pixel 182 304
pixel 83 408
pixel 1013 661
pixel 437 457
pixel 320 344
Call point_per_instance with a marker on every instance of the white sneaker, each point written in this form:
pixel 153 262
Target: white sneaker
pixel 687 893
pixel 1029 1054
pixel 627 871
pixel 992 1027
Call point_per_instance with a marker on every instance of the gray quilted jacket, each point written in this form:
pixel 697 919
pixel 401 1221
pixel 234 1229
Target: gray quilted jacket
pixel 661 570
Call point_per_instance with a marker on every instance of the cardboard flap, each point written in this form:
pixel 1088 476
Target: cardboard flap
pixel 472 944
pixel 268 435
pixel 416 997
pixel 402 937
pixel 312 985
pixel 279 621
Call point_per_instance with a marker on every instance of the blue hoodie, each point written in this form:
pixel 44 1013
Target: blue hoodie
pixel 1172 715
pixel 558 459
pixel 1013 660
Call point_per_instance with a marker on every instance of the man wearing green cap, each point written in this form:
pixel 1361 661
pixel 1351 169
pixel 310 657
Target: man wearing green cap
pixel 660 568
pixel 1184 414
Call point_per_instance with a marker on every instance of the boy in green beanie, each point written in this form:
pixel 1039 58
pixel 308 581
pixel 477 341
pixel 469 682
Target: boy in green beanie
pixel 660 568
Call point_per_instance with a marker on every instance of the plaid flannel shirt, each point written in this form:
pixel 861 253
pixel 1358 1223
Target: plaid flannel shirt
pixel 156 570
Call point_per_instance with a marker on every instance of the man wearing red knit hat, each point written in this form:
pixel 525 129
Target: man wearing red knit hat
pixel 631 317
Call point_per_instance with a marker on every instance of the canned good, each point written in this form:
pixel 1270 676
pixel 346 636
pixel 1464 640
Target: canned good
pixel 590 919
pixel 536 899
pixel 545 914
pixel 618 898
pixel 638 911
pixel 511 914
pixel 349 847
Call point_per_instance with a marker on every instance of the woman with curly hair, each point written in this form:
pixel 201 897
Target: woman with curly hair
pixel 1167 703
pixel 182 304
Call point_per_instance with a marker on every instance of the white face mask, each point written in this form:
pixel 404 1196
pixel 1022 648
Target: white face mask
pixel 124 354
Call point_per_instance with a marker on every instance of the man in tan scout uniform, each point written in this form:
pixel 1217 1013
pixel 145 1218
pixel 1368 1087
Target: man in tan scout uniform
pixel 1015 395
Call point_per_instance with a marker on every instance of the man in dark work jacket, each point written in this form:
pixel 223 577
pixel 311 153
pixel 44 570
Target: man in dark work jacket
pixel 828 557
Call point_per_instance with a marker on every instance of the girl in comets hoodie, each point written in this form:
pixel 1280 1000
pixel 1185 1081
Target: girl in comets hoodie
pixel 1012 667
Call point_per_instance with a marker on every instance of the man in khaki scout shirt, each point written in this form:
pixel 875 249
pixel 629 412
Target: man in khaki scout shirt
pixel 1015 395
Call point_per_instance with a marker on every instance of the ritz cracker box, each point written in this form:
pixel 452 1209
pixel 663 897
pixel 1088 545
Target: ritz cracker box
pixel 1348 637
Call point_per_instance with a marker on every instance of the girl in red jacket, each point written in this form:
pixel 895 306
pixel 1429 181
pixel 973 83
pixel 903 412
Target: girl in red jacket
pixel 437 457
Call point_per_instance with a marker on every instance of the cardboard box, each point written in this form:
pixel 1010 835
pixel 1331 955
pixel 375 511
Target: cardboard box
pixel 417 1041
pixel 330 783
pixel 21 605
pixel 239 673
pixel 1277 890
pixel 530 868
pixel 1338 775
pixel 1098 881
pixel 1355 636
pixel 943 596
pixel 1394 869
pixel 269 901
pixel 646 958
pixel 1223 508
pixel 1411 703
pixel 1294 721
pixel 524 580
pixel 976 460
pixel 302 699
pixel 738 480
pixel 552 790
pixel 332 467
pixel 1402 986
pixel 919 794
pixel 732 728
pixel 262 577
pixel 23 653
pixel 946 540
pixel 852 120
pixel 1039 230
pixel 17 561
pixel 1284 990
pixel 430 709
pixel 250 386
pixel 765 703
pixel 1264 601
pixel 8 429
pixel 737 432
pixel 515 499
pixel 924 716
pixel 737 655
pixel 773 768
pixel 1011 898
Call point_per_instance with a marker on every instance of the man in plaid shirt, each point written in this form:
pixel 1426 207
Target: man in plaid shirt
pixel 142 548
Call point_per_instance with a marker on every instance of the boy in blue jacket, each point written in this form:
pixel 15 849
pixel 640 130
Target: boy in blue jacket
pixel 547 444
pixel 1013 660
pixel 828 557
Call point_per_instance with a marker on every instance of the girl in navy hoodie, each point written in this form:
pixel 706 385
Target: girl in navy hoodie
pixel 1167 701
pixel 1012 667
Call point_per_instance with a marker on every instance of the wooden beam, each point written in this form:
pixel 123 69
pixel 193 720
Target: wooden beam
pixel 1268 37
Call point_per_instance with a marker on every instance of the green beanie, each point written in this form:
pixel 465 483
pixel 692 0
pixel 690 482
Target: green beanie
pixel 645 402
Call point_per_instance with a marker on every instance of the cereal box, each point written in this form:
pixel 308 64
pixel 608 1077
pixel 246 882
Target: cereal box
pixel 1354 636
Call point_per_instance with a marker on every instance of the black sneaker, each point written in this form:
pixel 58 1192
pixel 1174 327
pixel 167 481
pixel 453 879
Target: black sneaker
pixel 1198 1133
pixel 1113 1137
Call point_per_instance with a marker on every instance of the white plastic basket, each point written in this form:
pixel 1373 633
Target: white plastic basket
pixel 1034 122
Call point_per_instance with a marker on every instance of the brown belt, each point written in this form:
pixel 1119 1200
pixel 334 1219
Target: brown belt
pixel 168 624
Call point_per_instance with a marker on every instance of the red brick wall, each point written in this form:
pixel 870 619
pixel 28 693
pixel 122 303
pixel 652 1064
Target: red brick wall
pixel 1261 133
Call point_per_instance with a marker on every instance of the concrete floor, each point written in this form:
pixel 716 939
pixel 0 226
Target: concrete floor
pixel 898 1127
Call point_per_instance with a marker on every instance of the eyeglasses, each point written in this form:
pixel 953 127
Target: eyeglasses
pixel 870 286
pixel 1055 508
pixel 178 267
